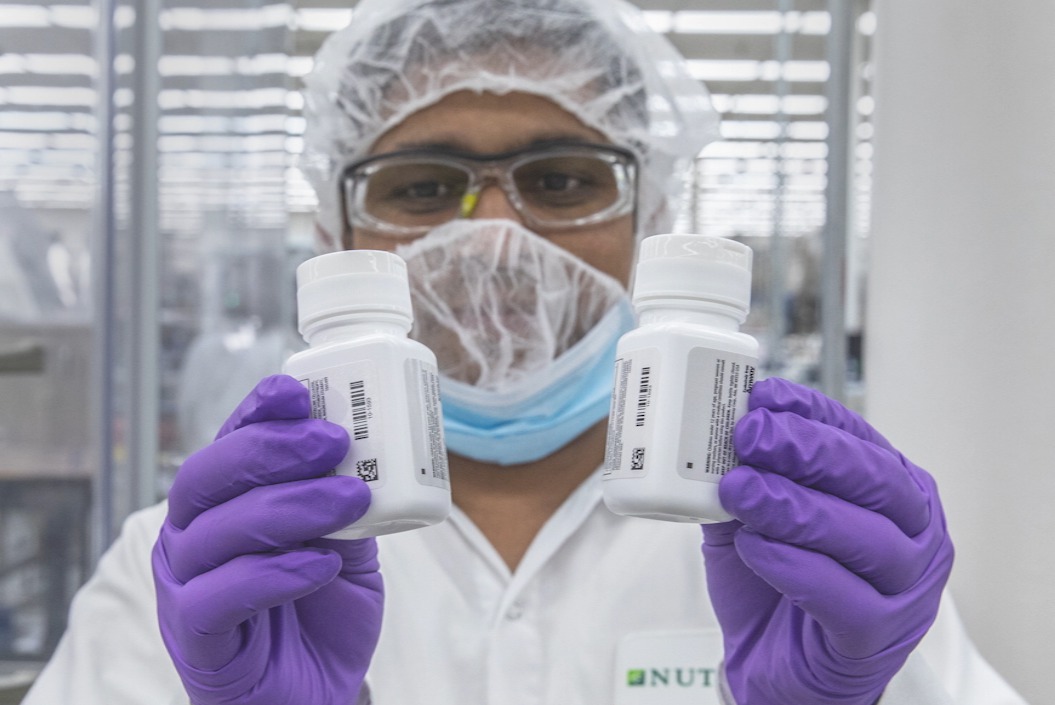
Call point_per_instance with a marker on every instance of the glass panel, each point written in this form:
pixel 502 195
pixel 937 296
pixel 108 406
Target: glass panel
pixel 144 266
pixel 47 455
pixel 766 182
pixel 227 294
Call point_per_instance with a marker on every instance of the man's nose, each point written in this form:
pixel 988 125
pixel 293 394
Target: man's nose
pixel 492 202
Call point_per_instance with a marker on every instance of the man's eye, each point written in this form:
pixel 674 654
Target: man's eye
pixel 558 182
pixel 424 189
pixel 419 197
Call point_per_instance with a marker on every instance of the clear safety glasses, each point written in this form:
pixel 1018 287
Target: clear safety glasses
pixel 554 187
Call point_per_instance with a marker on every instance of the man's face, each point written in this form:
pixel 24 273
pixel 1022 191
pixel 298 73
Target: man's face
pixel 492 124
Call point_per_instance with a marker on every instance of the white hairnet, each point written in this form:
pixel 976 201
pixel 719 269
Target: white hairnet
pixel 597 59
pixel 498 303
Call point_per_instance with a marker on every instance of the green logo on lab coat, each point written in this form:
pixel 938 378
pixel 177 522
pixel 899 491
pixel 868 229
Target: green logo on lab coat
pixel 671 677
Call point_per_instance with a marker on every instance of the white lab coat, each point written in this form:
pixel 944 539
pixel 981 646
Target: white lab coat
pixel 603 609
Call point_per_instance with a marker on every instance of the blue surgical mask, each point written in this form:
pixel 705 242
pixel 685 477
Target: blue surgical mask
pixel 541 414
pixel 524 333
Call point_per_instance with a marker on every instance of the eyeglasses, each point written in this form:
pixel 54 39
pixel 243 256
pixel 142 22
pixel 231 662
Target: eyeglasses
pixel 553 187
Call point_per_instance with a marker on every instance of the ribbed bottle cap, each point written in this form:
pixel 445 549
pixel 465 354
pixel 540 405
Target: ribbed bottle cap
pixel 349 282
pixel 693 267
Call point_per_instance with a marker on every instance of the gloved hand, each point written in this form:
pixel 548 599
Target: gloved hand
pixel 255 608
pixel 833 571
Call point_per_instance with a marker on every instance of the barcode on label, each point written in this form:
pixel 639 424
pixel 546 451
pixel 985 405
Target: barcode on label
pixel 360 411
pixel 644 393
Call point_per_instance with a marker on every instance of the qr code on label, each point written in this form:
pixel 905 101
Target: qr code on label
pixel 637 459
pixel 366 469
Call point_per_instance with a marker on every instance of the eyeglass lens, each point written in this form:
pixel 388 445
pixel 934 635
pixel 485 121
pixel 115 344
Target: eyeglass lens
pixel 551 189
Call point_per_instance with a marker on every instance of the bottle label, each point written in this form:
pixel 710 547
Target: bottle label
pixel 713 397
pixel 348 396
pixel 426 424
pixel 717 385
pixel 630 420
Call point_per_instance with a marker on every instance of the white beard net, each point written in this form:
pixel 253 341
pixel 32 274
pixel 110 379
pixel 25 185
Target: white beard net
pixel 497 303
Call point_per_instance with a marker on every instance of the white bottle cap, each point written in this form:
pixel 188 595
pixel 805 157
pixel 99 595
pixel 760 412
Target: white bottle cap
pixel 701 268
pixel 352 282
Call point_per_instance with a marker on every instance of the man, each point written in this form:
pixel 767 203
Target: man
pixel 513 152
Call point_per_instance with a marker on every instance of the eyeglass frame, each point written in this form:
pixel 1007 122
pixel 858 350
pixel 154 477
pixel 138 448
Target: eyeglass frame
pixel 496 168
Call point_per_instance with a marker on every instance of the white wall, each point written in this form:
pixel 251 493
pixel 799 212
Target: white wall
pixel 961 327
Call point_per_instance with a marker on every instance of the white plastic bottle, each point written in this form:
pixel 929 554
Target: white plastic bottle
pixel 365 374
pixel 682 379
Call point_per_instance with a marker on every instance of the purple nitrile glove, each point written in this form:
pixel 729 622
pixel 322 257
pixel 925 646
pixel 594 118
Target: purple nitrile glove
pixel 834 569
pixel 254 607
